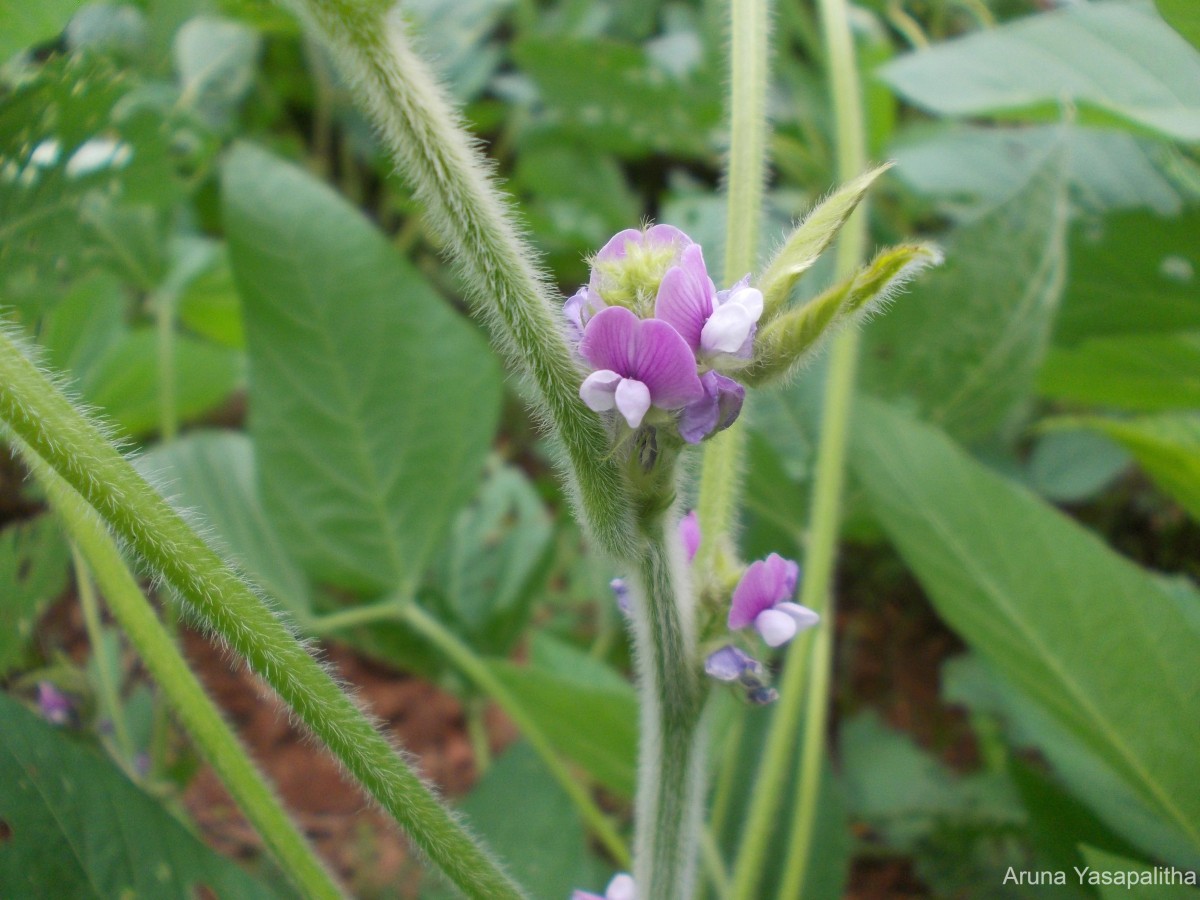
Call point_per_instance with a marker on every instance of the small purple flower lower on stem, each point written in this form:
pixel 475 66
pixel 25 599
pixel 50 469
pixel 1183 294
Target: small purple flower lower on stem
pixel 763 599
pixel 620 888
pixel 729 664
pixel 689 534
pixel 639 363
pixel 54 705
pixel 715 411
pixel 621 592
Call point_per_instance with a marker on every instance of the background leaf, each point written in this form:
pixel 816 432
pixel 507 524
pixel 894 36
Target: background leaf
pixel 1111 863
pixel 1117 59
pixel 372 405
pixel 1136 372
pixel 33 572
pixel 1183 16
pixel 26 24
pixel 1102 646
pixel 78 828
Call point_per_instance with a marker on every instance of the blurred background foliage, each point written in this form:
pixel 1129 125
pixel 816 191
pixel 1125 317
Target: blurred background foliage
pixel 199 229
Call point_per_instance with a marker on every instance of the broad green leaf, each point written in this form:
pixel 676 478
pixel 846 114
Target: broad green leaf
pixel 209 305
pixel 621 100
pixel 809 239
pixel 1183 16
pixel 966 342
pixel 76 827
pixel 594 724
pixel 213 473
pixel 1102 646
pixel 372 404
pixel 1070 466
pixel 458 39
pixel 1135 372
pixel 84 325
pixel 968 167
pixel 28 24
pixel 1120 878
pixel 33 572
pixel 216 60
pixel 495 559
pixel 1167 446
pixel 1118 60
pixel 531 824
pixel 1133 272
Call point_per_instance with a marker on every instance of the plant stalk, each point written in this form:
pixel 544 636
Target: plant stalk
pixel 78 451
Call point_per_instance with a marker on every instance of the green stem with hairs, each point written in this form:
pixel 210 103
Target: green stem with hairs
pixel 212 736
pixel 721 470
pixel 450 179
pixel 829 477
pixel 78 452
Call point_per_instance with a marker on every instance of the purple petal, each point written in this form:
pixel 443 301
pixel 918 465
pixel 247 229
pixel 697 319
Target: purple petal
pixel 689 534
pixel 687 297
pixel 621 592
pixel 667 366
pixel 727 664
pixel 578 311
pixel 598 390
pixel 633 400
pixel 715 411
pixel 585 895
pixel 610 340
pixel 765 583
pixel 54 705
pixel 667 234
pixel 775 626
pixel 617 246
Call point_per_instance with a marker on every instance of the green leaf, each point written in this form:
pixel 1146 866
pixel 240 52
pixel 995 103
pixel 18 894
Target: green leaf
pixel 213 473
pixel 28 24
pixel 33 572
pixel 1101 645
pixel 1167 446
pixel 531 824
pixel 1120 878
pixel 966 342
pixel 1136 372
pixel 592 723
pixel 1118 61
pixel 216 60
pixel 968 168
pixel 372 405
pixel 1183 16
pixel 810 238
pixel 1133 273
pixel 1074 465
pixel 495 560
pixel 77 828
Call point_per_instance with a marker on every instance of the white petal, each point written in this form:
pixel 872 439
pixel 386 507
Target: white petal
pixel 633 399
pixel 803 616
pixel 775 627
pixel 621 888
pixel 749 299
pixel 598 388
pixel 726 329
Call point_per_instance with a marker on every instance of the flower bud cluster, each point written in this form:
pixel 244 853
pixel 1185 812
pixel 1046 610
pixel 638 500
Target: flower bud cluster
pixel 660 339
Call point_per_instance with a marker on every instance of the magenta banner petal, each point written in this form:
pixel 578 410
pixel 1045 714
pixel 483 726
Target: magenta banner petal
pixel 765 583
pixel 687 296
pixel 666 365
pixel 610 340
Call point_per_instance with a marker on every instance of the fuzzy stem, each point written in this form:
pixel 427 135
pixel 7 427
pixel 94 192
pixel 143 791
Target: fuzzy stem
pixel 214 738
pixel 721 472
pixel 453 184
pixel 78 452
pixel 671 751
pixel 846 99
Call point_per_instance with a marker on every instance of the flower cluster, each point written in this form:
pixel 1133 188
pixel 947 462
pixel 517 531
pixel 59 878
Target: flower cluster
pixel 620 888
pixel 659 337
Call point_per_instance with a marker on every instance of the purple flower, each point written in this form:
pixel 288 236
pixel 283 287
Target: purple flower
pixel 639 363
pixel 731 664
pixel 620 888
pixel 630 266
pixel 621 592
pixel 763 599
pixel 715 411
pixel 711 323
pixel 689 534
pixel 578 310
pixel 54 705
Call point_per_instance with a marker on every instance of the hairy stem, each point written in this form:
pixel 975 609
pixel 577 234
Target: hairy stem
pixel 212 736
pixel 671 751
pixel 448 174
pixel 721 471
pixel 825 519
pixel 78 452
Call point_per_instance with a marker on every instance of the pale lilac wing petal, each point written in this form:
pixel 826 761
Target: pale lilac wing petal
pixel 598 389
pixel 686 296
pixel 633 400
pixel 665 364
pixel 753 594
pixel 775 627
pixel 804 617
pixel 621 888
pixel 726 664
pixel 689 534
pixel 610 340
pixel 726 329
